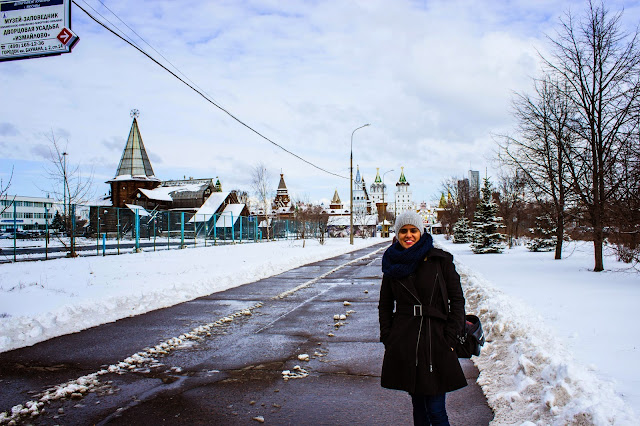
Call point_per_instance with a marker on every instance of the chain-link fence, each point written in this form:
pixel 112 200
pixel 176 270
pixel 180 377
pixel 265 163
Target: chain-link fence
pixel 38 231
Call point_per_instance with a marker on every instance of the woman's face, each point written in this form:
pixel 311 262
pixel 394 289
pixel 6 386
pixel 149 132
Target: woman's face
pixel 408 236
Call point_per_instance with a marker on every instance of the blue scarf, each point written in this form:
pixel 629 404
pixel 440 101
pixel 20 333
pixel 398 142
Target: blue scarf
pixel 399 262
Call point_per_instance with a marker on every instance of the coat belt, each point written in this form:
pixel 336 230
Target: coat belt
pixel 419 311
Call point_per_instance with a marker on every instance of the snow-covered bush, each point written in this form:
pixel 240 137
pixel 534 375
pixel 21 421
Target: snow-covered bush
pixel 544 238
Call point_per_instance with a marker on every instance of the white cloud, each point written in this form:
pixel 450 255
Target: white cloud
pixel 433 78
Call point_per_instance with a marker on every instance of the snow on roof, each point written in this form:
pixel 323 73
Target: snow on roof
pixel 163 193
pixel 134 177
pixel 210 207
pixel 229 215
pixel 158 194
pixel 141 210
pixel 370 220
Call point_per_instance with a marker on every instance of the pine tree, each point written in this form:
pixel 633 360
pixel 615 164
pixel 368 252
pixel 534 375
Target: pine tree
pixel 544 235
pixel 486 237
pixel 462 231
pixel 57 222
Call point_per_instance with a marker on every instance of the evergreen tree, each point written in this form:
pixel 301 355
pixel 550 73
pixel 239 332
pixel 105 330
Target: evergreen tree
pixel 462 231
pixel 486 238
pixel 544 235
pixel 57 222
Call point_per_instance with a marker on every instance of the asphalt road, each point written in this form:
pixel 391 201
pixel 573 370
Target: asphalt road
pixel 220 360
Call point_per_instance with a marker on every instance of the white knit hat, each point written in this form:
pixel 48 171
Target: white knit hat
pixel 409 218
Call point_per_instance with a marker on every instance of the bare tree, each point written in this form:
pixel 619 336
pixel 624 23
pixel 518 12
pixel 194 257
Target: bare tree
pixel 540 151
pixel 4 193
pixel 260 183
pixel 511 202
pixel 597 67
pixel 67 185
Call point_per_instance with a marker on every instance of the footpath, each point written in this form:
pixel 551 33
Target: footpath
pixel 286 361
pixel 340 382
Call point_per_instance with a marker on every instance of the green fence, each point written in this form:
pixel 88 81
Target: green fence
pixel 56 230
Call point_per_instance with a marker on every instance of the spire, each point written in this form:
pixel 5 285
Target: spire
pixel 134 161
pixel 377 179
pixel 336 198
pixel 358 174
pixel 402 178
pixel 282 195
pixel 282 186
pixel 218 185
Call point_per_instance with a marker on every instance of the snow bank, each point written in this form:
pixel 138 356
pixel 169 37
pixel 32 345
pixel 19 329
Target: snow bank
pixel 45 299
pixel 525 370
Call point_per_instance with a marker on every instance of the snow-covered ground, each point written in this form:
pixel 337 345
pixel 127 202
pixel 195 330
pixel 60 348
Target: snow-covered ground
pixel 562 343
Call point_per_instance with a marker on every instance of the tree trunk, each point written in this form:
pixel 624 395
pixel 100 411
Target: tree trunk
pixel 559 234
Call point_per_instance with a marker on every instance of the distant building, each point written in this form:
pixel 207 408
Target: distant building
pixel 402 200
pixel 136 190
pixel 282 205
pixel 134 170
pixel 361 201
pixel 31 213
pixel 474 183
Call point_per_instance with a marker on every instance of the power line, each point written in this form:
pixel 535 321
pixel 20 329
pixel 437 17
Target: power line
pixel 147 43
pixel 132 44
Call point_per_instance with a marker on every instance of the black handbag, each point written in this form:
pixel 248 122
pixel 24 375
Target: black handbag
pixel 472 339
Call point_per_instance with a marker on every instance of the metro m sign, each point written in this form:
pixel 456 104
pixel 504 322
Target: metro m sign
pixel 33 28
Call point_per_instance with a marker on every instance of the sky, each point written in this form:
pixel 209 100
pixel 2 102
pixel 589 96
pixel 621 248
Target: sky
pixel 434 79
pixel 555 353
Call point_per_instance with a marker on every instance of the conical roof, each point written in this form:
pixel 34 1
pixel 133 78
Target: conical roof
pixel 282 186
pixel 336 198
pixel 402 178
pixel 377 179
pixel 135 161
pixel 358 179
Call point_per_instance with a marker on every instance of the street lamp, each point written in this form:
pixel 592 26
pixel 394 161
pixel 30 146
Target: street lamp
pixel 384 205
pixel 351 186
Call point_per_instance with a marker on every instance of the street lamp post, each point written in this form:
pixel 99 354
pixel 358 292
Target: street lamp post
pixel 384 205
pixel 351 188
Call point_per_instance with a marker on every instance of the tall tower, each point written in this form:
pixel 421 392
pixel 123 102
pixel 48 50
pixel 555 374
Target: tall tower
pixel 474 183
pixel 134 170
pixel 282 199
pixel 377 188
pixel 360 196
pixel 403 195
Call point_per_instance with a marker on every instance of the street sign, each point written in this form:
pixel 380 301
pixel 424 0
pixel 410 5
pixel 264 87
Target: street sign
pixel 33 28
pixel 67 37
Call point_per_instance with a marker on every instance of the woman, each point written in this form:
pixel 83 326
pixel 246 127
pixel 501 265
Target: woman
pixel 421 282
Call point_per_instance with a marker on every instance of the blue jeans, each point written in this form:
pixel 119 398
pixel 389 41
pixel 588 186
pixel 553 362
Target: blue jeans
pixel 429 410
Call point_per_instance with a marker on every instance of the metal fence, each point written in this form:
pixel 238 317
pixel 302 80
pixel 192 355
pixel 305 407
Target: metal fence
pixel 55 230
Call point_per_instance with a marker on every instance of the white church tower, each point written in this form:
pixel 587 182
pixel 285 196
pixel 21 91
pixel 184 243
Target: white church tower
pixel 403 195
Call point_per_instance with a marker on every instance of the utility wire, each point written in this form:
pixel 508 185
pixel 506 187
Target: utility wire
pixel 147 43
pixel 203 95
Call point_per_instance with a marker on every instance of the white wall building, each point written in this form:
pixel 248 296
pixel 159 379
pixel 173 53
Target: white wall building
pixel 402 200
pixel 31 212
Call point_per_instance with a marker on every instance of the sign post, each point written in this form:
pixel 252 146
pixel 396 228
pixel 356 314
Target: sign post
pixel 34 28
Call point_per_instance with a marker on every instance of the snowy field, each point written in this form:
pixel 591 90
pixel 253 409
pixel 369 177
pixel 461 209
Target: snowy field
pixel 564 344
pixel 44 299
pixel 561 347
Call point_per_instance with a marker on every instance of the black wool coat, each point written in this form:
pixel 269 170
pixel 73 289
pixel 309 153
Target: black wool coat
pixel 418 357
